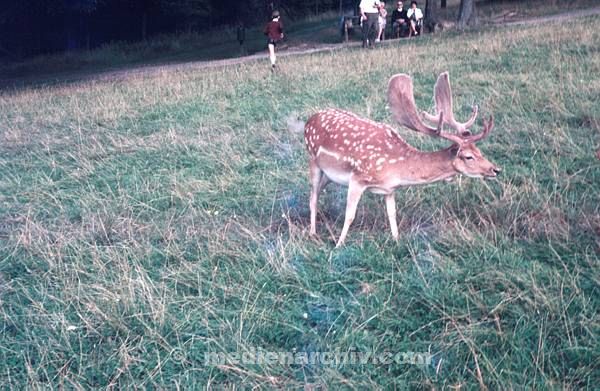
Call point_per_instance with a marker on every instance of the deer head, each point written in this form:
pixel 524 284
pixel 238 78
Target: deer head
pixel 468 158
pixel 366 155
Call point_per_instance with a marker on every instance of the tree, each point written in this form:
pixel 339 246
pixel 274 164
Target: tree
pixel 32 27
pixel 193 13
pixel 78 13
pixel 431 19
pixel 25 26
pixel 466 14
pixel 147 6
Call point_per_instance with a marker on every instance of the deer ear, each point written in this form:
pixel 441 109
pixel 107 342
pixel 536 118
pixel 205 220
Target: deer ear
pixel 455 149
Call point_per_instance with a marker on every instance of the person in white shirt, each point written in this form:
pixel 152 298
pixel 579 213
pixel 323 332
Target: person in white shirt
pixel 415 16
pixel 369 16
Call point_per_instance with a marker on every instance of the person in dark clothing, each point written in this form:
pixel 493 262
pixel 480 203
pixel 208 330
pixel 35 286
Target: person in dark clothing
pixel 241 36
pixel 400 23
pixel 274 32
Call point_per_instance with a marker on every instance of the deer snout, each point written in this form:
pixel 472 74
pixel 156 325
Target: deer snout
pixel 495 171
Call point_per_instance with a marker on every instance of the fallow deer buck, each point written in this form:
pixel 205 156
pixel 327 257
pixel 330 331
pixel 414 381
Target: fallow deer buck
pixel 366 155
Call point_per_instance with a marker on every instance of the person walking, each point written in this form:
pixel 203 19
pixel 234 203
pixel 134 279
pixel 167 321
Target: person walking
pixel 369 16
pixel 274 32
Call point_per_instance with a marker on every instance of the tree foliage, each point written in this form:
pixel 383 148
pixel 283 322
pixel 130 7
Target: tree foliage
pixel 190 13
pixel 29 27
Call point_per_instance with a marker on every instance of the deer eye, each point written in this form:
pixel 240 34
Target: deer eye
pixel 468 157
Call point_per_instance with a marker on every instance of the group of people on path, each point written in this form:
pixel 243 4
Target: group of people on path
pixel 373 16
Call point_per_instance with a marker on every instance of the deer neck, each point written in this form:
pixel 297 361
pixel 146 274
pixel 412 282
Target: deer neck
pixel 429 167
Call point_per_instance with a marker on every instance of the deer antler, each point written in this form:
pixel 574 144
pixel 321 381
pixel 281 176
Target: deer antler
pixel 404 110
pixel 487 128
pixel 443 103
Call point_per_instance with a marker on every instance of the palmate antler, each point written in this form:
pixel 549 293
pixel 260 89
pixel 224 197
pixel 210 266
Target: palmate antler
pixel 404 110
pixel 443 103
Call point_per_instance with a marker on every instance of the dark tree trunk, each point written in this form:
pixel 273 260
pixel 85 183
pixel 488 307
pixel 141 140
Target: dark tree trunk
pixel 431 19
pixel 7 53
pixel 443 4
pixel 144 25
pixel 289 12
pixel 85 27
pixel 467 15
pixel 269 8
pixel 145 9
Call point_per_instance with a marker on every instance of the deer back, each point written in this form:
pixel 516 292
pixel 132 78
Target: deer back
pixel 359 144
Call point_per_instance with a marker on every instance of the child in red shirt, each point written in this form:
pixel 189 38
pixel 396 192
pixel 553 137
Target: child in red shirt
pixel 274 33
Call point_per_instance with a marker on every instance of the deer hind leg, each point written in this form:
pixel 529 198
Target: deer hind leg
pixel 355 190
pixel 390 205
pixel 316 179
pixel 324 182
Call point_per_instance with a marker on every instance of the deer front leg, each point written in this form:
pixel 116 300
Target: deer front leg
pixel 390 205
pixel 315 187
pixel 355 191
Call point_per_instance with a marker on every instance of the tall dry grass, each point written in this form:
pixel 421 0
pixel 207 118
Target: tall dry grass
pixel 147 221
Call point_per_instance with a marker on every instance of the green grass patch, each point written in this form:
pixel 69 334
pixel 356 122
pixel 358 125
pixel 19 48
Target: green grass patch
pixel 149 221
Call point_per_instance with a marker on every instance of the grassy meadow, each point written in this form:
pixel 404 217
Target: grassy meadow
pixel 148 221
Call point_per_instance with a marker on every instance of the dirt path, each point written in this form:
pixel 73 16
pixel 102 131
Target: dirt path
pixel 553 18
pixel 317 48
pixel 122 74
